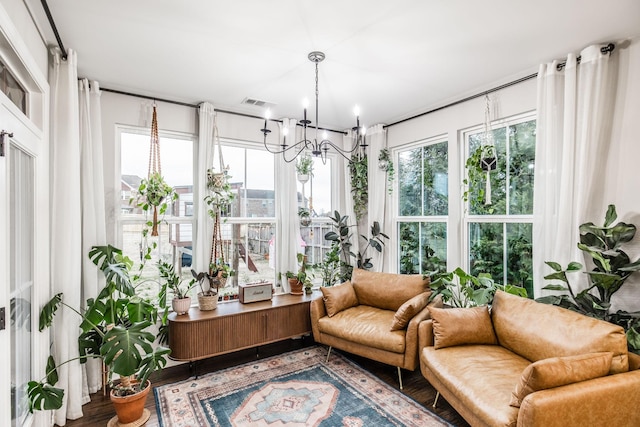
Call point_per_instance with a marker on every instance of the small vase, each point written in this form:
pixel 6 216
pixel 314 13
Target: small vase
pixel 181 305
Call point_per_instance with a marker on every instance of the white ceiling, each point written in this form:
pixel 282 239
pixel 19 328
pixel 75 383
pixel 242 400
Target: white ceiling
pixel 394 58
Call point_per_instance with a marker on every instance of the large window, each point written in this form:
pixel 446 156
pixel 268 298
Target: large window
pixel 316 197
pixel 495 237
pixel 174 242
pixel 499 233
pixel 423 206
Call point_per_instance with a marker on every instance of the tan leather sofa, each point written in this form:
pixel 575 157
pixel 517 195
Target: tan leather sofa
pixel 562 368
pixel 375 315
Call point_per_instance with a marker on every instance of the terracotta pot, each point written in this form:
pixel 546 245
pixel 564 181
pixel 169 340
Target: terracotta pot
pixel 181 305
pixel 296 286
pixel 130 408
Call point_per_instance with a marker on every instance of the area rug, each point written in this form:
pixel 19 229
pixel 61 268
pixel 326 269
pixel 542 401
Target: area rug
pixel 292 389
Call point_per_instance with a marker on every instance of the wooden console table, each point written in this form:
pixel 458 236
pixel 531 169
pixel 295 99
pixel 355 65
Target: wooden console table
pixel 234 326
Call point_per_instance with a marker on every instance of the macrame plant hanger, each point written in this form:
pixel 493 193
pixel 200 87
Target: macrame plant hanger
pixel 154 163
pixel 216 182
pixel 488 160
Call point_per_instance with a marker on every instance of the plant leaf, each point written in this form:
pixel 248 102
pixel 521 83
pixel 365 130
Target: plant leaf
pixel 48 311
pixel 43 396
pixel 124 348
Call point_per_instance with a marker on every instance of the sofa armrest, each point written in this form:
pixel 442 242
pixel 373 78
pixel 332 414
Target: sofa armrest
pixel 581 404
pixel 411 344
pixel 318 311
pixel 425 334
pixel 634 361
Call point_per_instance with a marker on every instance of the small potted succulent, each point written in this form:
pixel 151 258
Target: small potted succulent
pixel 305 217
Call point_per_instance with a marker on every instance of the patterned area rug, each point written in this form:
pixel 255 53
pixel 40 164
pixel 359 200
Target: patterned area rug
pixel 292 389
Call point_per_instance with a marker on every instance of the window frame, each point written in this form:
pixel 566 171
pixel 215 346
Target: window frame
pixel 467 218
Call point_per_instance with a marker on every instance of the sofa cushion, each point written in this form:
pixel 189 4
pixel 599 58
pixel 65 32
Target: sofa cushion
pixel 559 371
pixel 365 325
pixel 338 298
pixel 386 290
pixel 481 377
pixel 539 331
pixel 459 326
pixel 408 310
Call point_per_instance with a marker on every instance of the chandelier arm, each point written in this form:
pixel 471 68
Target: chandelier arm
pixel 340 151
pixel 304 142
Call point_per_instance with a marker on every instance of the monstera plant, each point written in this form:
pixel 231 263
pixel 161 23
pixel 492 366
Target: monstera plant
pixel 612 267
pixel 114 328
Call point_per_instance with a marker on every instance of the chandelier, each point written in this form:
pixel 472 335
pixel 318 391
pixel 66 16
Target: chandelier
pixel 318 146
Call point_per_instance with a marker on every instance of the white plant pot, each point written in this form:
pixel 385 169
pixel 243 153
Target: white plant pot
pixel 303 178
pixel 181 305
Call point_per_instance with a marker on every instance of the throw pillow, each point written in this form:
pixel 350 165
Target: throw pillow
pixel 338 298
pixel 559 371
pixel 459 326
pixel 408 310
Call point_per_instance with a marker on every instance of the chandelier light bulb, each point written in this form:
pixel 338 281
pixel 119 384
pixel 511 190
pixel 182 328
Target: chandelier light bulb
pixel 364 130
pixel 325 136
pixel 305 103
pixel 356 111
pixel 267 115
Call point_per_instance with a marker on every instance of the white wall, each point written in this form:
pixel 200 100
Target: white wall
pixel 621 169
pixel 28 32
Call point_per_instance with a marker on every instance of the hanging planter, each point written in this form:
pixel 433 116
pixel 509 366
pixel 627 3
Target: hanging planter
pixel 155 194
pixel 385 163
pixel 359 173
pixel 305 217
pixel 304 168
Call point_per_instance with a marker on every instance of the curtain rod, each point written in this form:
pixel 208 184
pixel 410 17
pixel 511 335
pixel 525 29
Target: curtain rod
pixel 185 104
pixel 47 12
pixel 468 98
pixel 605 49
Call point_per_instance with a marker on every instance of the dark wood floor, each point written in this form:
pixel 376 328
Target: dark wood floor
pixel 99 411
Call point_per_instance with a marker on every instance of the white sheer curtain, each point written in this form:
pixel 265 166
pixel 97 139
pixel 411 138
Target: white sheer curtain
pixel 287 238
pixel 93 208
pixel 204 230
pixel 377 139
pixel 66 239
pixel 575 112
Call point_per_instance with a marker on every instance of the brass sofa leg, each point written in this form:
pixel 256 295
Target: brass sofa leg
pixel 435 401
pixel 400 377
pixel 328 353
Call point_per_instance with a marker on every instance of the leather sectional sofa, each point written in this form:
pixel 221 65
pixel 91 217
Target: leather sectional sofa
pixel 375 315
pixel 525 363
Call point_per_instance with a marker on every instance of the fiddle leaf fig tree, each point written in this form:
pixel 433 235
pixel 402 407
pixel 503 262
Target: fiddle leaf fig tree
pixel 612 267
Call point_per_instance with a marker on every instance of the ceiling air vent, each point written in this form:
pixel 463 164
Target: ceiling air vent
pixel 257 103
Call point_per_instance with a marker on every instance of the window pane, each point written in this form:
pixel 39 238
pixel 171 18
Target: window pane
pixel 253 186
pixel 498 178
pixel 486 249
pixel 422 247
pixel 522 147
pixel 409 247
pixel 436 179
pixel 176 157
pixel 320 184
pixel 410 182
pixel 519 256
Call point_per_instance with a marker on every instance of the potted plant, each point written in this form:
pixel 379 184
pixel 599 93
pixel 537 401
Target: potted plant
pixel 304 168
pixel 305 217
pixel 181 300
pixel 296 281
pixel 220 192
pixel 359 174
pixel 460 289
pixel 207 297
pixel 154 193
pixel 385 163
pixel 114 328
pixel 612 267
